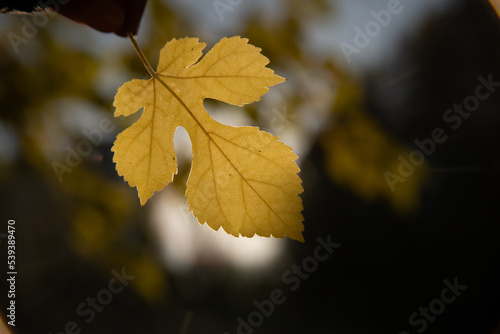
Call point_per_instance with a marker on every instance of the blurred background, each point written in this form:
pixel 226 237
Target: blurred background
pixel 363 89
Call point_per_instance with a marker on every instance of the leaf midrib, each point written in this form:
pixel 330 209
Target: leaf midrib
pixel 156 76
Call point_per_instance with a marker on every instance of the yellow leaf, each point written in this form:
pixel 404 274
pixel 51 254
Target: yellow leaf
pixel 241 178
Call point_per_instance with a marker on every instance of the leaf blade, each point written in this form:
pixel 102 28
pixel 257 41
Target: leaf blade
pixel 241 188
pixel 242 179
pixel 139 152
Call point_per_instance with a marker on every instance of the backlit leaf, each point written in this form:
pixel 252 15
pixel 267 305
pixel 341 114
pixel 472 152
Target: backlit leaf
pixel 242 179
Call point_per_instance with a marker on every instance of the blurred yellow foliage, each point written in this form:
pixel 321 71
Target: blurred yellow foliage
pixel 359 152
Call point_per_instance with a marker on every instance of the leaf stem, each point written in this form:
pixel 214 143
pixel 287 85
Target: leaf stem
pixel 141 55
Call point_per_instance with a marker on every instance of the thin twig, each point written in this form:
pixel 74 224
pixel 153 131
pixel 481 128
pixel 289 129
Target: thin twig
pixel 141 55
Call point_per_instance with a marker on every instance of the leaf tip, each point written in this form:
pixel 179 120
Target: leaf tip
pixel 299 237
pixel 143 201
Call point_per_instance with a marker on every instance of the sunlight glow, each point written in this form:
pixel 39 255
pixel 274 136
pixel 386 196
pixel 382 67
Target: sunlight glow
pixel 186 245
